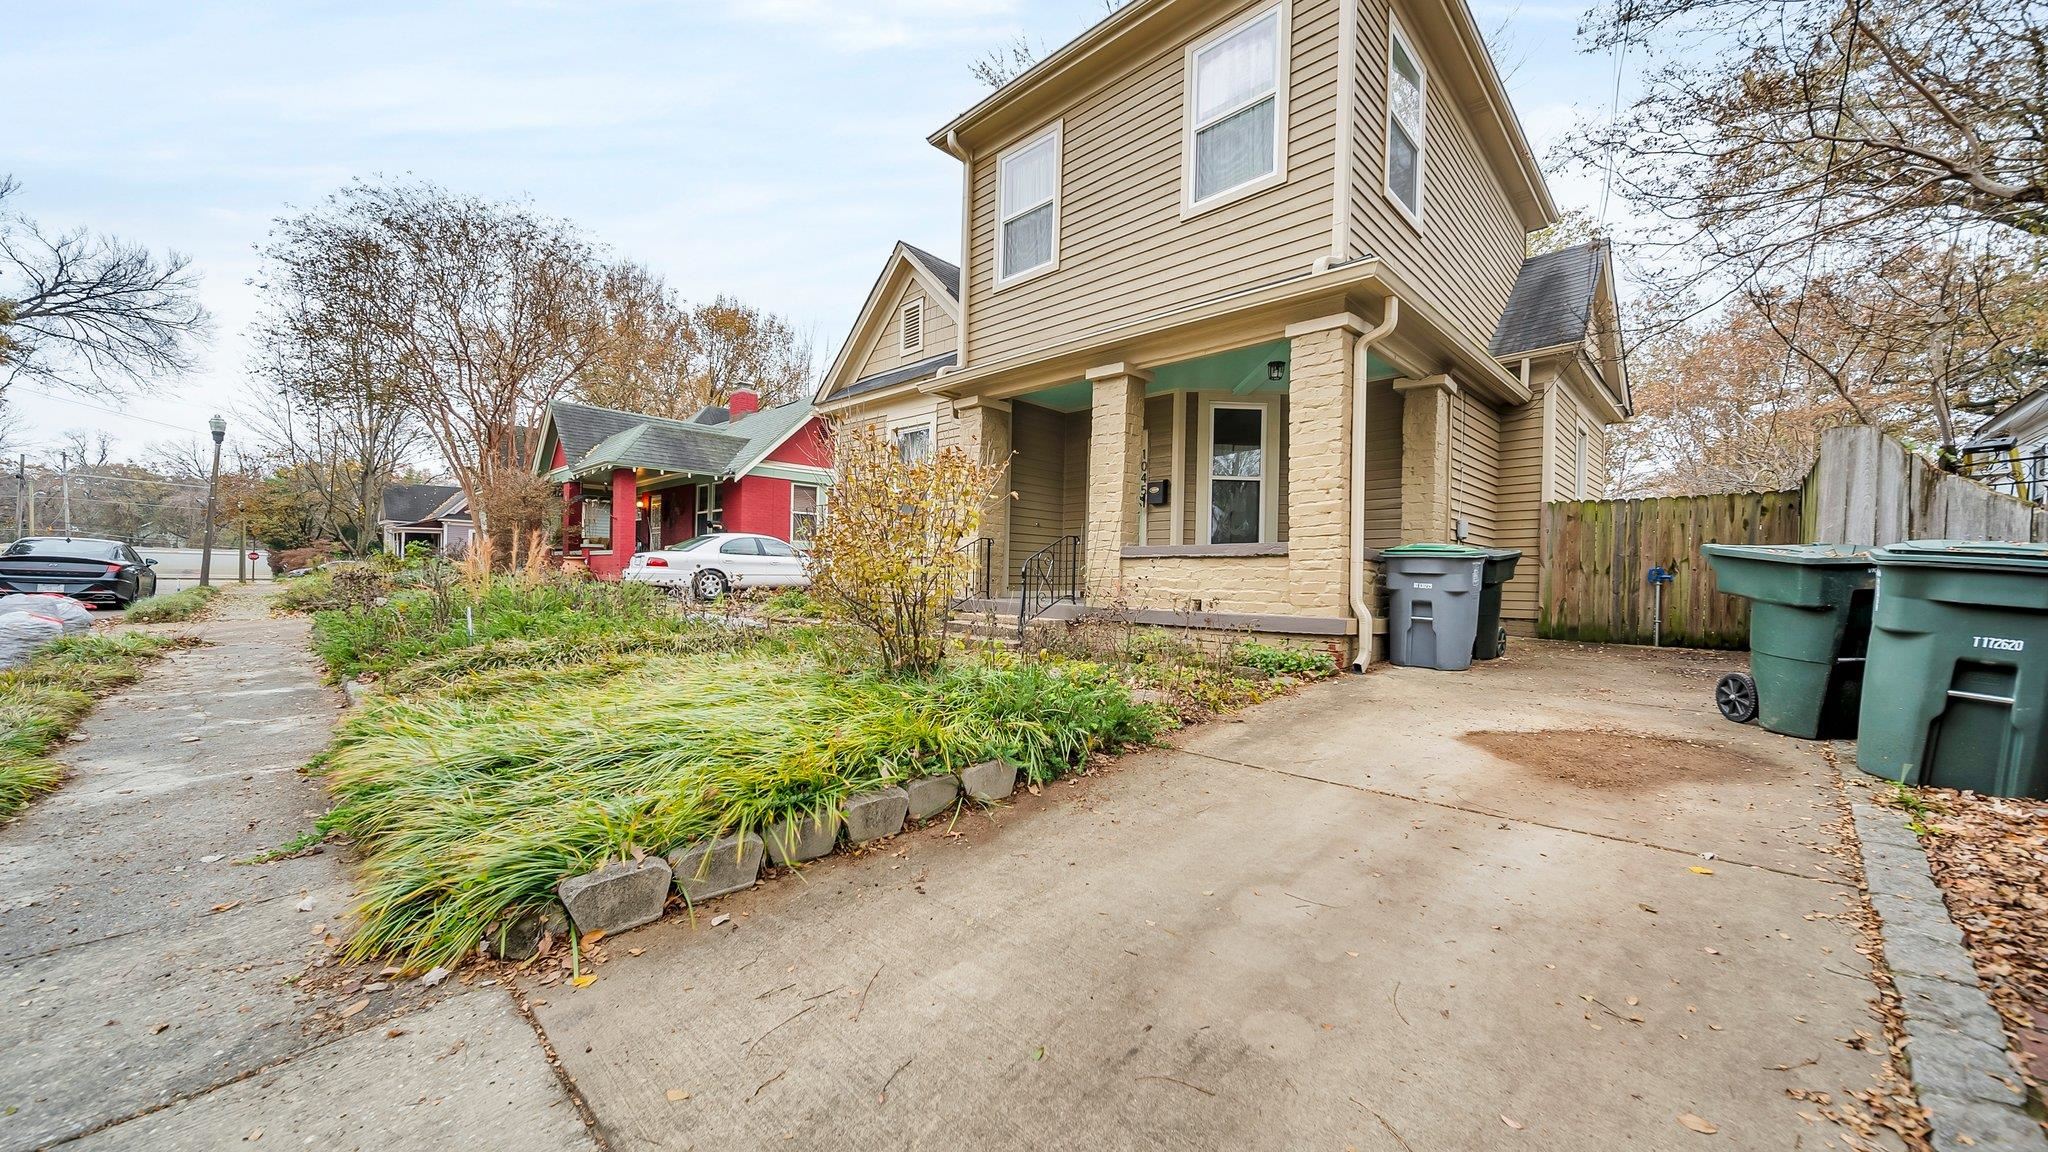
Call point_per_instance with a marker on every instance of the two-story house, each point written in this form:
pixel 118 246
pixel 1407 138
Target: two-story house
pixel 1246 298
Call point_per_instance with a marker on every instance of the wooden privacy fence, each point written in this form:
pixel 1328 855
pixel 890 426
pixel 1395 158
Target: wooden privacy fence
pixel 1867 489
pixel 1599 553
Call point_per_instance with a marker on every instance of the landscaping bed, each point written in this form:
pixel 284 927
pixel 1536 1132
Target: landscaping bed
pixel 44 699
pixel 174 607
pixel 526 733
pixel 1990 858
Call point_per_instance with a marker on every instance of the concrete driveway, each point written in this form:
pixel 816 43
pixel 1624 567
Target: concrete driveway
pixel 1341 922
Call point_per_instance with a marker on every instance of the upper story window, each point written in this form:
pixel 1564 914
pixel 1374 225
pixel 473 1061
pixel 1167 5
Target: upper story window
pixel 1406 94
pixel 912 328
pixel 1237 111
pixel 914 444
pixel 1028 225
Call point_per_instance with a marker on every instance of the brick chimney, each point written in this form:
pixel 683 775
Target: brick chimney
pixel 743 402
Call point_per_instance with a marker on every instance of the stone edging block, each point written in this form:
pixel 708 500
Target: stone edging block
pixel 617 896
pixel 931 795
pixel 1955 1041
pixel 712 868
pixel 791 840
pixel 873 815
pixel 989 780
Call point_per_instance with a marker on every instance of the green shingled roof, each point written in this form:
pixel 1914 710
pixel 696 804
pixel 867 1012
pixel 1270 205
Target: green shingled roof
pixel 595 439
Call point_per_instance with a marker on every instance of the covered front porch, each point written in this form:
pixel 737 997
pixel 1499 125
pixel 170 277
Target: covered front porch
pixel 1215 490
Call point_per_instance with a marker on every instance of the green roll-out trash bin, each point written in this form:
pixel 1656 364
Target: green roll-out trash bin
pixel 1492 641
pixel 1438 605
pixel 1809 633
pixel 1956 695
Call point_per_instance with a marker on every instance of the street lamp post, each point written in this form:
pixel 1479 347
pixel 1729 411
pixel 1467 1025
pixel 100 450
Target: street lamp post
pixel 219 428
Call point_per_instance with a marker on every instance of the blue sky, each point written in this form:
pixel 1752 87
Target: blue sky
pixel 772 149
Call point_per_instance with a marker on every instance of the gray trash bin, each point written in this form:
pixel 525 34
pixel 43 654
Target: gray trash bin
pixel 1434 594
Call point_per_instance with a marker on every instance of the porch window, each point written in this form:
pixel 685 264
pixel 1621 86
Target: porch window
pixel 914 445
pixel 597 522
pixel 708 510
pixel 1028 231
pixel 1236 107
pixel 1237 474
pixel 803 512
pixel 1406 93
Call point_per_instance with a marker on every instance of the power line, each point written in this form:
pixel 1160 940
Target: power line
pixel 101 408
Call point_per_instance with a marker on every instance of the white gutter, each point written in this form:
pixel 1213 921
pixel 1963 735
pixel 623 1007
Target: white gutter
pixel 1390 314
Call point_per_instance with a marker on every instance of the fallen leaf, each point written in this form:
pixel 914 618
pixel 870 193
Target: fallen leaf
pixel 1696 1124
pixel 1039 1054
pixel 354 1008
pixel 254 1134
pixel 635 951
pixel 1701 871
pixel 590 938
pixel 677 1095
pixel 721 918
pixel 433 977
pixel 227 907
pixel 1511 1122
pixel 584 981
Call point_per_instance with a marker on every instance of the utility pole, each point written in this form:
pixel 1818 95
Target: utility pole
pixel 219 428
pixel 64 469
pixel 242 553
pixel 22 500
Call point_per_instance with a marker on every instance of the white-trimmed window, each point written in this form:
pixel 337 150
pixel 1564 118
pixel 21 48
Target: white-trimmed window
pixel 806 502
pixel 709 512
pixel 911 327
pixel 1238 498
pixel 596 527
pixel 1028 220
pixel 1407 116
pixel 1235 135
pixel 914 443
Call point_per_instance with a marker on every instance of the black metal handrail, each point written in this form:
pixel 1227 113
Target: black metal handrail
pixel 1047 577
pixel 981 581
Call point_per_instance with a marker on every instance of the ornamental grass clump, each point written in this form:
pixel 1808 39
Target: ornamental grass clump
pixel 469 810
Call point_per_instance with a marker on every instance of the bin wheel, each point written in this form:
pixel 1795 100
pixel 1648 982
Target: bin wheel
pixel 1500 642
pixel 1736 697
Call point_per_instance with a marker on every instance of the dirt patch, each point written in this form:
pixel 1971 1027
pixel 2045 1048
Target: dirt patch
pixel 1602 758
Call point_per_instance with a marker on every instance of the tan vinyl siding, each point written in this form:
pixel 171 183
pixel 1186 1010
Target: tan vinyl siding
pixel 1382 465
pixel 1470 247
pixel 885 353
pixel 1475 466
pixel 1158 463
pixel 1074 503
pixel 901 409
pixel 1038 476
pixel 1573 416
pixel 1520 506
pixel 1125 251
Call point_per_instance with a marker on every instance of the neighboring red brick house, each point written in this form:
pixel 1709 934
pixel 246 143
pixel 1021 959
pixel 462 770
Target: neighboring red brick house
pixel 648 481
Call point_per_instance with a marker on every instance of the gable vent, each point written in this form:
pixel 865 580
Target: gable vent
pixel 913 327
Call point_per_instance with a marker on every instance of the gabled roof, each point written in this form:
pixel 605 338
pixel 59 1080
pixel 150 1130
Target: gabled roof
pixel 904 260
pixel 1552 301
pixel 594 439
pixel 948 275
pixel 2025 420
pixel 414 503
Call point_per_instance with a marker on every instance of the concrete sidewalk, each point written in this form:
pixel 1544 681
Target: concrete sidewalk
pixel 1341 923
pixel 157 993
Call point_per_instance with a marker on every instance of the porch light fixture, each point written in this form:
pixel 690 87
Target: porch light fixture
pixel 1276 370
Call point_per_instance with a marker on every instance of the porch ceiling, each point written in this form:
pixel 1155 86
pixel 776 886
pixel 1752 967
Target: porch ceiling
pixel 1241 371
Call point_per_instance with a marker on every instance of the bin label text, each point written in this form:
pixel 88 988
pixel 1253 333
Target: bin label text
pixel 2001 643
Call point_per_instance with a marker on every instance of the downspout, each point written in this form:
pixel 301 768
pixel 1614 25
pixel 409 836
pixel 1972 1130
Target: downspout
pixel 960 153
pixel 1361 609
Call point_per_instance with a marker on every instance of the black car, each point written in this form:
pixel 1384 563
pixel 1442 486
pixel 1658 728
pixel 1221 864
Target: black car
pixel 104 572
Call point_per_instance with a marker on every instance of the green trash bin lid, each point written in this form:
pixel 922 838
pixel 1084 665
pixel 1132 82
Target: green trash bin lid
pixel 1427 549
pixel 1997 555
pixel 1805 555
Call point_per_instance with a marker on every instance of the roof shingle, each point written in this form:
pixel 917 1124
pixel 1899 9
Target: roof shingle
pixel 1552 301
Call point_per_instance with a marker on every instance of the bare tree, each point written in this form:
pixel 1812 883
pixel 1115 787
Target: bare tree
pixel 1015 56
pixel 90 313
pixel 477 313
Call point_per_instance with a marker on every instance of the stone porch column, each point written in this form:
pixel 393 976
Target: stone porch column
pixel 1319 384
pixel 1116 445
pixel 984 427
pixel 1426 457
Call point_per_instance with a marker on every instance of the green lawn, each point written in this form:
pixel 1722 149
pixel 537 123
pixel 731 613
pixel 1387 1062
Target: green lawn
pixel 173 607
